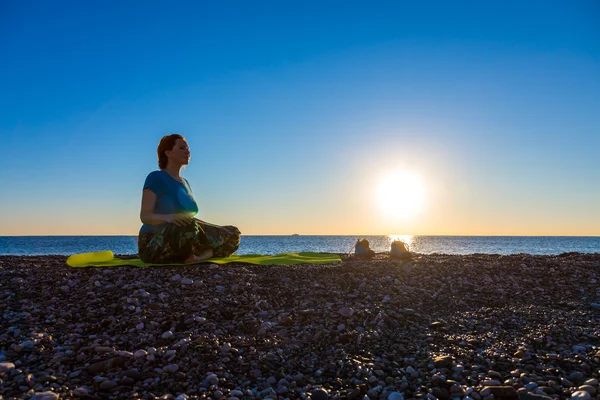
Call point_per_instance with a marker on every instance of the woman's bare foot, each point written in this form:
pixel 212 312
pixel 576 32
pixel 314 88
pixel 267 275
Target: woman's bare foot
pixel 194 258
pixel 205 255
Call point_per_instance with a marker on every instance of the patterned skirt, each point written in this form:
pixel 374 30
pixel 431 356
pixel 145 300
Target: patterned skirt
pixel 173 243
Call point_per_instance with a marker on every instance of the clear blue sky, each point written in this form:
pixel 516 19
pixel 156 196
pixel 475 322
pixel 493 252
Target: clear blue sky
pixel 295 110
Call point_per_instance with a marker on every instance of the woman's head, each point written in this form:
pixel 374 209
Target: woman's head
pixel 175 148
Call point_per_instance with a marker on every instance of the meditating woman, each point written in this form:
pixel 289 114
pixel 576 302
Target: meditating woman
pixel 170 233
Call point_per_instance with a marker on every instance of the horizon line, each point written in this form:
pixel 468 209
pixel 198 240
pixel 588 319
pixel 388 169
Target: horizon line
pixel 295 235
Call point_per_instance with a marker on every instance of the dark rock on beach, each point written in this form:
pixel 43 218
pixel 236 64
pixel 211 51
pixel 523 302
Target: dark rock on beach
pixel 475 327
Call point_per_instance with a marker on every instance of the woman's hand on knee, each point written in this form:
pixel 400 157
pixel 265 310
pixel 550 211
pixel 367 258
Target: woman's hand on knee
pixel 179 219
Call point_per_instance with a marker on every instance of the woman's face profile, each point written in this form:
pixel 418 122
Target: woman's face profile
pixel 180 153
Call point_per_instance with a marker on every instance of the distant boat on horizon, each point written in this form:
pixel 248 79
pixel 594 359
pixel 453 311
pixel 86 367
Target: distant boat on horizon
pixel 295 234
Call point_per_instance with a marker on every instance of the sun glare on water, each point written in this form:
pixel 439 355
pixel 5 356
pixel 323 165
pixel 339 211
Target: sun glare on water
pixel 401 195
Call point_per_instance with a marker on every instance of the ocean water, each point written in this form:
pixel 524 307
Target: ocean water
pixel 66 245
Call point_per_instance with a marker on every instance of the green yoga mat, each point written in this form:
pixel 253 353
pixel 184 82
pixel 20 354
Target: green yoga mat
pixel 107 259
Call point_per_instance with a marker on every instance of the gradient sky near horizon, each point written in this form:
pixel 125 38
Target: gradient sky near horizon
pixel 294 112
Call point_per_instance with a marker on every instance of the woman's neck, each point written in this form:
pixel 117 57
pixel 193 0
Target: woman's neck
pixel 174 171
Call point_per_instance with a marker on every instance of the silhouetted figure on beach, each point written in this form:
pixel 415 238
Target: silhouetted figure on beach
pixel 170 233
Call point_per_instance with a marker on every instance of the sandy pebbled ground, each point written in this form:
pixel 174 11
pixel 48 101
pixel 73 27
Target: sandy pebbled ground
pixel 479 327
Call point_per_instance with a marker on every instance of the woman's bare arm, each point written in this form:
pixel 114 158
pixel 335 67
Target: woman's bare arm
pixel 148 216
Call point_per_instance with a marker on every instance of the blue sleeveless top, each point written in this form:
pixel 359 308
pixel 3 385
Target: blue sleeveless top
pixel 173 197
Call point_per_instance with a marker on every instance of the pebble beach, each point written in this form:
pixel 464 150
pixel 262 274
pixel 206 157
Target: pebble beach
pixel 470 327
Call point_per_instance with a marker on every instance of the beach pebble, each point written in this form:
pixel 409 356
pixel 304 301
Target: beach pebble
pixel 491 382
pixel 171 368
pixel 48 395
pixel 212 380
pixel 81 392
pixel 581 395
pixel 108 385
pixel 395 396
pixel 54 341
pixel 566 383
pixel 503 392
pixel 443 362
pixel 6 366
pixel 319 394
pixel 436 325
pixel 588 388
pixel 281 390
pixel 140 353
pixel 105 365
pixel 531 386
pixel 346 312
pixel 577 377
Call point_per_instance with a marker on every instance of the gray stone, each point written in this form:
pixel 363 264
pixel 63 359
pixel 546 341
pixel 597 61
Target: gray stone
pixel 441 394
pixel 581 395
pixel 81 392
pixel 532 396
pixel 6 366
pixel 346 312
pixel 108 385
pixel 319 394
pixel 212 380
pixel 140 354
pixel 531 386
pixel 491 382
pixel 436 325
pixel 281 390
pixel 45 396
pixel 503 392
pixel 576 377
pixel 106 365
pixel 443 362
pixel 588 388
pixel 171 368
pixel 566 383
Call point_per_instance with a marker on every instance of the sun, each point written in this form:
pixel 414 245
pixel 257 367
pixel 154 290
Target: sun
pixel 401 194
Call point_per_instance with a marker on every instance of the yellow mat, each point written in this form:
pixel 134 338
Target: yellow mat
pixel 107 259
